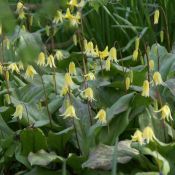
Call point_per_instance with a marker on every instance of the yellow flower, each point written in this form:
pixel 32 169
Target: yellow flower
pixel 101 116
pixel 145 90
pixel 13 67
pixel 19 6
pixel 50 61
pixel 70 112
pixel 137 42
pixel 88 94
pixel 68 14
pixel 161 36
pixel 72 69
pixel 103 54
pixel 165 113
pixel 127 83
pixel 21 15
pixel 89 48
pixel 73 3
pixel 135 55
pixel 41 59
pixel 108 64
pixel 113 54
pixel 68 80
pixel 59 55
pixel 58 17
pixel 1 68
pixel 89 76
pixel 157 78
pixel 18 112
pixel 20 65
pixel 65 90
pixel 151 64
pixel 148 134
pixel 30 72
pixel 138 137
pixel 156 17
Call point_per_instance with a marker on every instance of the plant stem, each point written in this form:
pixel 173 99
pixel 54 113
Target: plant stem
pixel 46 101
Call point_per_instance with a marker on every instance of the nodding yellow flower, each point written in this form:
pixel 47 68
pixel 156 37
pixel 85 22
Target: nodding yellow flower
pixel 148 134
pixel 58 17
pixel 101 116
pixel 88 94
pixel 89 48
pixel 13 67
pixel 73 3
pixel 108 64
pixel 89 76
pixel 70 112
pixel 30 72
pixel 41 59
pixel 135 54
pixel 145 90
pixel 68 79
pixel 151 64
pixel 7 76
pixel 137 137
pixel 19 6
pixel 59 55
pixel 72 69
pixel 127 82
pixel 20 65
pixel 50 61
pixel 0 29
pixel 7 98
pixel 165 113
pixel 75 39
pixel 156 17
pixel 113 54
pixel 19 111
pixel 21 15
pixel 137 42
pixel 103 54
pixel 161 36
pixel 68 14
pixel 157 78
pixel 1 68
pixel 64 90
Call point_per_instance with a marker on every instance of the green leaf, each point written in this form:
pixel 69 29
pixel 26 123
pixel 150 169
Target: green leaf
pixel 32 140
pixel 43 158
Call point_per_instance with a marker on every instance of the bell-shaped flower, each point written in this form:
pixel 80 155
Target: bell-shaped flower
pixel 165 112
pixel 88 94
pixel 30 72
pixel 127 82
pixel 13 67
pixel 89 76
pixel 148 134
pixel 51 61
pixel 145 89
pixel 101 116
pixel 70 112
pixel 157 78
pixel 41 59
pixel 68 79
pixel 135 54
pixel 151 64
pixel 113 54
pixel 156 17
pixel 72 69
pixel 19 111
pixel 138 137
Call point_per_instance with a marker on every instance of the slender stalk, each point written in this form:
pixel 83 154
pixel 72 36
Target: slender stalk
pixel 147 58
pixel 46 101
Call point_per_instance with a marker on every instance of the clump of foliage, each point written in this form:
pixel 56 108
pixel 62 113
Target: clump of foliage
pixel 87 87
